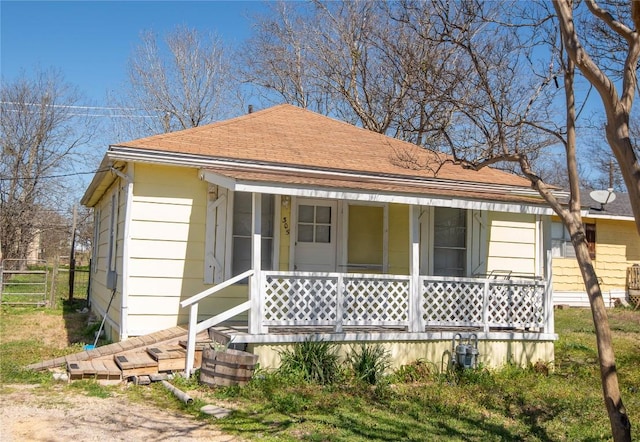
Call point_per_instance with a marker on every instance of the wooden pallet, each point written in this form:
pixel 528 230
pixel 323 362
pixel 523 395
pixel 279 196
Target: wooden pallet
pixel 99 369
pixel 200 346
pixel 168 357
pixel 136 364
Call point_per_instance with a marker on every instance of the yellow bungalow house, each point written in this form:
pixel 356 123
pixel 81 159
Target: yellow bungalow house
pixel 282 224
pixel 614 246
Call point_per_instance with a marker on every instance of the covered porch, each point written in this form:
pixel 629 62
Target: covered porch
pixel 285 307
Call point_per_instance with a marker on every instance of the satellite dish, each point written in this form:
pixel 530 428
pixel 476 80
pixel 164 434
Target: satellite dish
pixel 603 197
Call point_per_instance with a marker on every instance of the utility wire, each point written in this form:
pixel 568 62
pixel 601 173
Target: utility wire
pixel 54 176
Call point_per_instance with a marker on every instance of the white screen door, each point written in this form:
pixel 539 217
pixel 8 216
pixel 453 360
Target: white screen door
pixel 315 242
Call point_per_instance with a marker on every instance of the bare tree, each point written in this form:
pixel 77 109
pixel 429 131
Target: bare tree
pixel 42 131
pixel 617 105
pixel 352 60
pixel 500 120
pixel 185 82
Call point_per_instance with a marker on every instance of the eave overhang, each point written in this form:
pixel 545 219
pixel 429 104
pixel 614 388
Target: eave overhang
pixel 284 179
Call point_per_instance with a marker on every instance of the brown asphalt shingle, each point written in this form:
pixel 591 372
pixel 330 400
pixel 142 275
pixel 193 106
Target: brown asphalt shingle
pixel 288 135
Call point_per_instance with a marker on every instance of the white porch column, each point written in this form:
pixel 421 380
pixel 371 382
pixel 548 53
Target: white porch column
pixel 549 326
pixel 415 298
pixel 255 282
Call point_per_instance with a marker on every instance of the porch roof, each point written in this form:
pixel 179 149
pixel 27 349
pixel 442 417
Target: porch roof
pixel 367 187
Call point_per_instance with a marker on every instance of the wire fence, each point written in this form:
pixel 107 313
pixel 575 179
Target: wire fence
pixel 38 283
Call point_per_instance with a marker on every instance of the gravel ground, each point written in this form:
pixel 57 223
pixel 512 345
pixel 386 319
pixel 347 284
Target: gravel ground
pixel 29 414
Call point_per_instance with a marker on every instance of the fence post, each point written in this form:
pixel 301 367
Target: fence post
pixel 54 281
pixel 72 253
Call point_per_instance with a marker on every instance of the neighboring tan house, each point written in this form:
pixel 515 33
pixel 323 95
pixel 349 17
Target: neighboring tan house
pixel 281 225
pixel 614 245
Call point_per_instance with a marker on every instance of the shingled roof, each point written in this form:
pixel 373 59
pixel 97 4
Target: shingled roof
pixel 295 148
pixel 620 206
pixel 292 136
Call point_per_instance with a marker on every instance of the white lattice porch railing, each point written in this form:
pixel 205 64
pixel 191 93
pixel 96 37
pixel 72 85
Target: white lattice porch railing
pixel 483 303
pixel 338 300
pixel 335 299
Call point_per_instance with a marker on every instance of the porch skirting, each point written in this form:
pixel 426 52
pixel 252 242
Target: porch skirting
pixel 493 353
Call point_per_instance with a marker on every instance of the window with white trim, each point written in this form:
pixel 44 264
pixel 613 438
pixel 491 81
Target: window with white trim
pixel 96 239
pixel 561 245
pixel 113 222
pixel 449 241
pixel 241 236
pixel 314 224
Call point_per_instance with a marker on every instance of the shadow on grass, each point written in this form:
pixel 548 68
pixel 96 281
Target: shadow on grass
pixel 373 424
pixel 75 316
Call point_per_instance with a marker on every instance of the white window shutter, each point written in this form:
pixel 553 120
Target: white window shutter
pixel 215 235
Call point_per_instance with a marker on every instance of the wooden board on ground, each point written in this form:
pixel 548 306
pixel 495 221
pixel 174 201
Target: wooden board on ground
pixel 169 357
pixel 136 364
pixel 81 370
pixel 106 369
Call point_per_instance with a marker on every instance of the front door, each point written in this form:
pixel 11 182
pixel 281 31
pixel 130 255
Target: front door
pixel 316 236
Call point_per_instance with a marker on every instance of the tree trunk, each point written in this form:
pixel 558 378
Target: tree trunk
pixel 620 424
pixel 617 132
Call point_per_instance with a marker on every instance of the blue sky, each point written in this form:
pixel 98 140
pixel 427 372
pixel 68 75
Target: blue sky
pixel 90 41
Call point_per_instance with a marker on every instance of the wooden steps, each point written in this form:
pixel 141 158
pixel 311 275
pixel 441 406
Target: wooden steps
pixel 99 369
pixel 147 361
pixel 136 364
pixel 168 358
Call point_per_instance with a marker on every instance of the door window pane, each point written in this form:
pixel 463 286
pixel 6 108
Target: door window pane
pixel 323 234
pixel 323 215
pixel 305 233
pixel 305 214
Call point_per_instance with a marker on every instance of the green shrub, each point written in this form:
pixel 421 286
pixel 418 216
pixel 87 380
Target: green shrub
pixel 369 362
pixel 316 361
pixel 417 371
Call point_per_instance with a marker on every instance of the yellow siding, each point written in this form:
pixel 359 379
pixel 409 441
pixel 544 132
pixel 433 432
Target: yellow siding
pixel 100 294
pixel 512 242
pixel 167 248
pixel 365 242
pixel 491 353
pixel 398 239
pixel 617 247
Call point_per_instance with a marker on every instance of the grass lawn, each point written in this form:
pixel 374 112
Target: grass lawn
pixel 415 404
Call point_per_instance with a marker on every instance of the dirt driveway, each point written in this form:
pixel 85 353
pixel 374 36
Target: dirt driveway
pixel 27 414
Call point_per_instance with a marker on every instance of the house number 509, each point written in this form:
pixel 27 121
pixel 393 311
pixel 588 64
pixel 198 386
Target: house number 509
pixel 285 224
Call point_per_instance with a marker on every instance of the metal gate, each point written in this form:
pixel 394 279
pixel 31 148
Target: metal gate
pixel 23 282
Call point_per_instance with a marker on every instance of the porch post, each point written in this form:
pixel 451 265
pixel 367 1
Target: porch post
pixel 549 326
pixel 415 298
pixel 255 283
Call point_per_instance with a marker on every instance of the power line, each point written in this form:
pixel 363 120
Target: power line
pixel 54 176
pixel 68 106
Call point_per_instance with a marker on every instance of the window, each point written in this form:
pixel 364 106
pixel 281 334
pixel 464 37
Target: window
pixel 450 242
pixel 561 246
pixel 242 218
pixel 314 224
pixel 96 238
pixel 111 257
pixel 590 232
